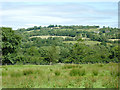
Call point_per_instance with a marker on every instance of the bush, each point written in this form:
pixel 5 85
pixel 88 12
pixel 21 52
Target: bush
pixel 75 72
pixel 57 73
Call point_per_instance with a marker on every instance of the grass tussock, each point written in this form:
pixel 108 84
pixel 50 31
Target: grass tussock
pixel 57 73
pixel 109 82
pixel 31 71
pixel 4 73
pixel 100 65
pixel 77 72
pixel 88 84
pixel 95 72
pixel 71 66
pixel 28 71
pixel 115 72
pixel 16 74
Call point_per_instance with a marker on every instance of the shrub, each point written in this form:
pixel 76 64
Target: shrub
pixel 75 72
pixel 57 73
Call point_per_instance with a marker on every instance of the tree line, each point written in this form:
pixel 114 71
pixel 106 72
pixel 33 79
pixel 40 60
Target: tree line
pixel 18 48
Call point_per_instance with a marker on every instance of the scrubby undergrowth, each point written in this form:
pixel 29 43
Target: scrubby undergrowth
pixel 61 76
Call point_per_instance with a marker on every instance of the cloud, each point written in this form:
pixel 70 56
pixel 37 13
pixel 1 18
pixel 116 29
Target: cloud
pixel 37 19
pixel 60 1
pixel 26 14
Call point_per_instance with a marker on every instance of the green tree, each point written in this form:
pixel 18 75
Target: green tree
pixel 10 43
pixel 53 54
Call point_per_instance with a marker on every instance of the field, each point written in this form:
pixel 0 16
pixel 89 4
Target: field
pixel 47 36
pixel 85 42
pixel 61 76
pixel 0 78
pixel 89 30
pixel 114 39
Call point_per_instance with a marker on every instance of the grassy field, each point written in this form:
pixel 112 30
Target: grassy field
pixel 61 76
pixel 32 31
pixel 0 77
pixel 114 39
pixel 47 36
pixel 85 42
pixel 89 30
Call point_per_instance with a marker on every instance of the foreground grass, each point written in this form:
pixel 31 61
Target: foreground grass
pixel 0 77
pixel 61 76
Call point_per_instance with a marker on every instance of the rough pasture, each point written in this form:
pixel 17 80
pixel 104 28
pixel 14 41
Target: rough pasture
pixel 61 76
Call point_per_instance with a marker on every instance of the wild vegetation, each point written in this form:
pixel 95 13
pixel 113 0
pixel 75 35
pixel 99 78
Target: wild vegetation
pixel 60 56
pixel 61 76
pixel 60 44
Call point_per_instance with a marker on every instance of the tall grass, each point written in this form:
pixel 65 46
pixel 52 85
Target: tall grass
pixel 95 72
pixel 28 71
pixel 4 73
pixel 77 72
pixel 57 72
pixel 115 73
pixel 59 76
pixel 88 84
pixel 31 71
pixel 71 66
pixel 110 82
pixel 16 74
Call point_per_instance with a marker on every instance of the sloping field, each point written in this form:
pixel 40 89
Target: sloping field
pixel 45 37
pixel 89 30
pixel 85 42
pixel 32 31
pixel 114 39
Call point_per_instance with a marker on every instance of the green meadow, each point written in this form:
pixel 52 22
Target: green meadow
pixel 61 76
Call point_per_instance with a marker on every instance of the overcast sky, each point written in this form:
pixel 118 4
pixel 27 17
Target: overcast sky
pixel 62 12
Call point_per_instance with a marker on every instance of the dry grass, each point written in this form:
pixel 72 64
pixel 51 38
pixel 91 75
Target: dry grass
pixel 47 36
pixel 114 39
pixel 85 42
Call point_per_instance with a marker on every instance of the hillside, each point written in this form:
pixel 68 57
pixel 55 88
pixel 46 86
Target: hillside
pixel 64 44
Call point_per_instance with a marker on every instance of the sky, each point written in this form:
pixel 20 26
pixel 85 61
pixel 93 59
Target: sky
pixel 25 14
